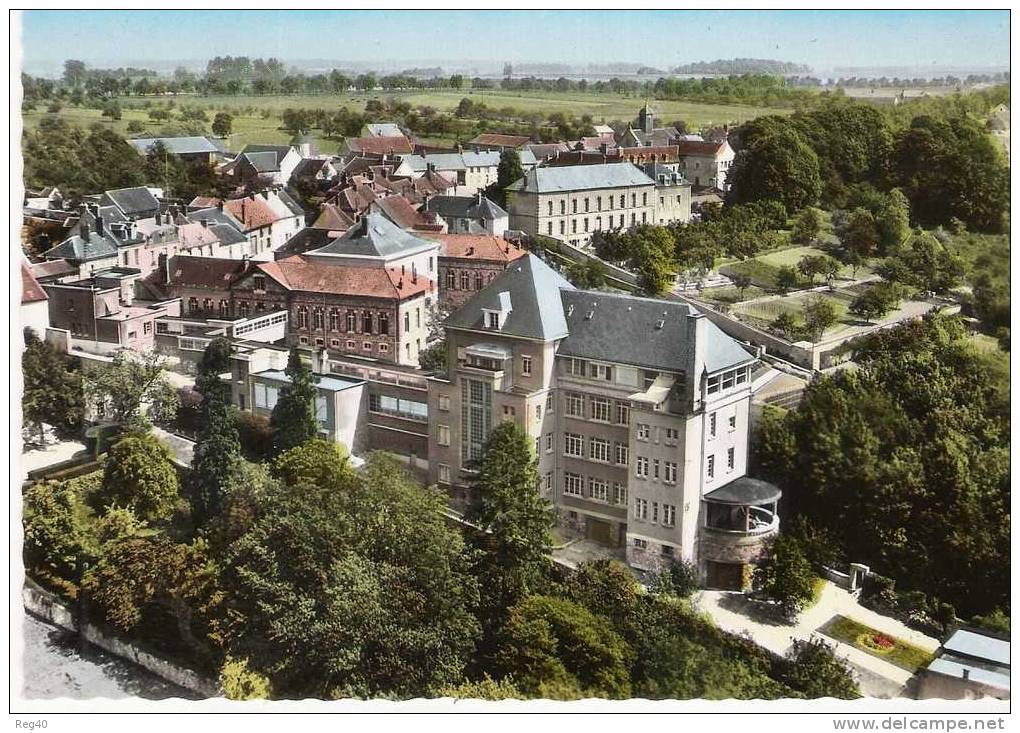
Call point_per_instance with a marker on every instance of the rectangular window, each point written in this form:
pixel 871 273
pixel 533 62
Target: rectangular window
pixel 741 375
pixel 641 467
pixel 655 468
pixel 573 484
pixel 573 444
pixel 622 413
pixel 727 380
pixel 538 412
pixel 672 435
pixel 444 402
pixel 642 431
pixel 493 320
pixel 713 384
pixel 730 458
pixel 655 511
pixel 526 366
pixel 641 509
pixel 574 404
pixel 598 490
pixel 444 473
pixel 711 424
pixel 600 371
pixel 711 467
pixel 476 417
pixel 670 477
pixel 622 454
pixel 600 409
pixel 550 403
pixel 599 449
pixel 548 442
pixel 667 550
pixel 668 515
pixel 321 413
pixel 577 367
pixel 733 422
pixel 619 494
pixel 640 544
pixel 443 434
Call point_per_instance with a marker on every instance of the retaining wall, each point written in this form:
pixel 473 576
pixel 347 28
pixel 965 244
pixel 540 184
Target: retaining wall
pixel 51 609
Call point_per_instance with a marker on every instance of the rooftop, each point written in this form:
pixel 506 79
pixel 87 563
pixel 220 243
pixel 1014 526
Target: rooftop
pixel 374 236
pixel 322 381
pixel 581 177
pixel 465 207
pixel 177 145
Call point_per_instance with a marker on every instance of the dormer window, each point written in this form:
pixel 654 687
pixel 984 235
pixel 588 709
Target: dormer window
pixel 492 319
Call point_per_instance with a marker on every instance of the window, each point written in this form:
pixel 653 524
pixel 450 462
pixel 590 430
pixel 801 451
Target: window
pixel 407 323
pixel 147 327
pixel 649 378
pixel 655 511
pixel 670 476
pixel 586 223
pixel 573 206
pixel 727 380
pixel 444 473
pixel 259 282
pixel 641 509
pixel 366 345
pixel 600 409
pixel 623 202
pixel 655 468
pixel 573 226
pixel 600 371
pixel 587 204
pixel 349 344
pixel 417 317
pixel 640 544
pixel 641 467
pixel 668 515
pixel 550 403
pixel 509 411
pixel 633 200
pixel 574 404
pixel 730 458
pixel 384 348
pixel 444 402
pixel 563 207
pixel 599 449
pixel 526 366
pixel 366 322
pixel 598 489
pixel 302 317
pixel 548 442
pixel 667 550
pixel 742 375
pixel 538 412
pixel 573 484
pixel 351 324
pixel 493 319
pixel 672 436
pixel 443 434
pixel 563 227
pixel 711 467
pixel 622 454
pixel 733 422
pixel 548 225
pixel 619 494
pixel 476 417
pixel 550 208
pixel 622 413
pixel 384 323
pixel 642 431
pixel 713 384
pixel 398 407
pixel 334 320
pixel 547 482
pixel 711 424
pixel 451 280
pixel 573 445
pixel 576 367
pixel 644 199
pixel 321 411
pixel 318 319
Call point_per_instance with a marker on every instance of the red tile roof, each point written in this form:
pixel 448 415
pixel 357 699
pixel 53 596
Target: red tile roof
pixel 31 292
pixel 214 273
pixel 204 202
pixel 380 145
pixel 401 212
pixel 333 219
pixel 507 141
pixel 297 273
pixel 693 147
pixel 253 212
pixel 477 246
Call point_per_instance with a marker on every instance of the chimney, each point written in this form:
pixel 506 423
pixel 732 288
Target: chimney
pixel 265 195
pixel 205 223
pixel 83 227
pixel 219 205
pixel 99 225
pixel 479 197
pixel 694 357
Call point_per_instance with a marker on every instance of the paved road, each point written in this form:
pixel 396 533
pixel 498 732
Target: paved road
pixel 54 667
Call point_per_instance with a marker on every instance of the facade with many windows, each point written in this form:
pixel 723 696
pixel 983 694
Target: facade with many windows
pixel 638 410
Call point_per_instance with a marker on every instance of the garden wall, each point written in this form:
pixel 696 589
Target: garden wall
pixel 51 609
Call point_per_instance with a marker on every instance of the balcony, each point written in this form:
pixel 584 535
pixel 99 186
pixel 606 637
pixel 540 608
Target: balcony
pixel 739 520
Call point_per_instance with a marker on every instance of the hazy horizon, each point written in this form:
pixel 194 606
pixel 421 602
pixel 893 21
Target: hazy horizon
pixel 912 41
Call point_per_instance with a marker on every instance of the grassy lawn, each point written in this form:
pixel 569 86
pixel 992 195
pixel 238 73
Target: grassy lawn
pixel 730 294
pixel 891 649
pixel 765 313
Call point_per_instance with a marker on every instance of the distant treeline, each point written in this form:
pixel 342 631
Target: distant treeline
pixel 742 66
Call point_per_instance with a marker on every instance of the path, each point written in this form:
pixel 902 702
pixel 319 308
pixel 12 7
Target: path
pixel 55 666
pixel 878 678
pixel 54 452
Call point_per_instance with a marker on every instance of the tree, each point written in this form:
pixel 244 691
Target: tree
pixel 509 170
pixel 554 647
pixel 926 265
pixel 589 274
pixel 806 226
pixel 354 590
pixel 652 258
pixel 293 418
pixel 218 448
pixel 679 578
pixel 135 126
pixel 484 689
pixel 74 72
pixel 811 265
pixel 139 475
pixel 132 389
pixel 56 547
pixel 112 110
pixel 52 392
pixel 860 238
pixel 434 358
pixel 786 278
pixel 778 166
pixel 223 124
pixel 741 281
pixel 875 302
pixel 813 668
pixel 513 559
pixel 241 683
pixel 785 576
pixel 785 323
pixel 318 462
pixel 893 222
pixel 819 315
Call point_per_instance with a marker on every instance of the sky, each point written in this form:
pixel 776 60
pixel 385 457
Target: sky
pixel 823 39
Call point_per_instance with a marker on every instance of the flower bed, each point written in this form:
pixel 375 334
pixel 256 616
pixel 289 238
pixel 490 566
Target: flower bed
pixel 874 642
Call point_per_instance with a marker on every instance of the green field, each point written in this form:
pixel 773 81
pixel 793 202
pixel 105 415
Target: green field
pixel 793 304
pixel 250 125
pixel 857 635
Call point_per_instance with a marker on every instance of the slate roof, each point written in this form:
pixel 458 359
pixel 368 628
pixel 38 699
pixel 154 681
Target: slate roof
pixel 31 292
pixel 374 236
pixel 394 145
pixel 623 329
pixel 534 293
pixel 465 207
pixel 213 273
pixel 176 145
pixel 263 162
pixel 580 178
pixel 131 201
pixel 310 167
pixel 84 249
pixel 304 240
pixel 383 129
pixel 332 218
pixel 298 273
pixel 745 491
pixel 52 269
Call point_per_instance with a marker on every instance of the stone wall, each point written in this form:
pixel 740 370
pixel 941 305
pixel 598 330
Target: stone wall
pixel 51 609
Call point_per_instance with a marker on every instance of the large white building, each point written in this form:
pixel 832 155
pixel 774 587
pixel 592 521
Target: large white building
pixel 639 412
